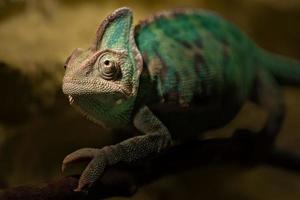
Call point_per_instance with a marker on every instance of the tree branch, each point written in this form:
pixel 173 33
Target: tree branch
pixel 124 180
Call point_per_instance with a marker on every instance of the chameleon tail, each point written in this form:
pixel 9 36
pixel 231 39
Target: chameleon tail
pixel 285 70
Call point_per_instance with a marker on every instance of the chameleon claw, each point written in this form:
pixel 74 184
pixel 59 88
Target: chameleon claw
pixel 93 170
pixel 79 189
pixel 63 167
pixel 77 156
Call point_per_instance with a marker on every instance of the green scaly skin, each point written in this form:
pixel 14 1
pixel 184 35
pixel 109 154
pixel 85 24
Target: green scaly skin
pixel 168 79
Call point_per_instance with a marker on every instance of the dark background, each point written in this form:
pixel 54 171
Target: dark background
pixel 38 127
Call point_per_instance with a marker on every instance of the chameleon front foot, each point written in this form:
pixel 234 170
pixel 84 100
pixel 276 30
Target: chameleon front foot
pixel 93 170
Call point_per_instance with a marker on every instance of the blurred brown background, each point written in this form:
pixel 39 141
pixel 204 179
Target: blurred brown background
pixel 38 127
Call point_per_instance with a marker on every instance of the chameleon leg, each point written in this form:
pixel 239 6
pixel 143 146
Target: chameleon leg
pixel 267 94
pixel 156 138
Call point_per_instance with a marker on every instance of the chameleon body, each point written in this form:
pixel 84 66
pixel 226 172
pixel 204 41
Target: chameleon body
pixel 170 78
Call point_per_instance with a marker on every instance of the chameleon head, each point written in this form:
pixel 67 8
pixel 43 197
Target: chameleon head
pixel 105 76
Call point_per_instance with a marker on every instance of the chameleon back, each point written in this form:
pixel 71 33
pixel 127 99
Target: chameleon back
pixel 194 60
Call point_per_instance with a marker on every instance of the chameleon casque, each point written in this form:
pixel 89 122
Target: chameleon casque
pixel 173 76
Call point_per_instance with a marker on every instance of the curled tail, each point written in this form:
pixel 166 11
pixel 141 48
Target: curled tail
pixel 285 70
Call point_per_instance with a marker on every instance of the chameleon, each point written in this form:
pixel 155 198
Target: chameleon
pixel 164 81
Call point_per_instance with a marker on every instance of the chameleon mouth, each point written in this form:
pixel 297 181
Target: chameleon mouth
pixel 92 87
pixel 85 112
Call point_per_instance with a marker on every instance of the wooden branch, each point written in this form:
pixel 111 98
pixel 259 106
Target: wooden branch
pixel 124 180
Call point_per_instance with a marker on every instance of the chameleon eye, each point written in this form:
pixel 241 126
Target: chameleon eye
pixel 109 69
